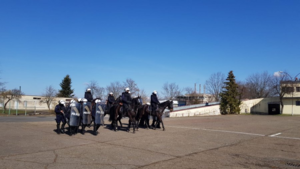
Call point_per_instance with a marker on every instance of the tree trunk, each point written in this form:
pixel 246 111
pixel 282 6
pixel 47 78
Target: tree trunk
pixel 281 111
pixel 48 104
pixel 6 104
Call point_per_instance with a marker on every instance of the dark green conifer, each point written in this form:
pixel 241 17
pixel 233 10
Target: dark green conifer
pixel 66 90
pixel 230 102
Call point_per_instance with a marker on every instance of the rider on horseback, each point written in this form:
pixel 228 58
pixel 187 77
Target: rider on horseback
pixel 110 100
pixel 154 102
pixel 88 96
pixel 126 100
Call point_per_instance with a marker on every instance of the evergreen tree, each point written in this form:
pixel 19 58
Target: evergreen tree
pixel 66 90
pixel 230 102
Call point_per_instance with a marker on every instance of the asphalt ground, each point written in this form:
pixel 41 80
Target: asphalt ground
pixel 233 141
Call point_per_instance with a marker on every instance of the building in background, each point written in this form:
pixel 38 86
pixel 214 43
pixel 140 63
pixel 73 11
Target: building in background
pixel 194 98
pixel 291 97
pixel 30 102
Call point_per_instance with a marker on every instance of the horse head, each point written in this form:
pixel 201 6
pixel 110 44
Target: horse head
pixel 137 101
pixel 170 105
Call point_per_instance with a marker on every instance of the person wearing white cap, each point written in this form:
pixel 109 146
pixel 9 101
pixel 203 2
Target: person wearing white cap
pixel 126 100
pixel 88 95
pixel 60 117
pixel 110 101
pixel 154 102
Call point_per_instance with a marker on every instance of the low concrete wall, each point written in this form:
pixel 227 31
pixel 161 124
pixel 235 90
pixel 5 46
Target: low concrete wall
pixel 202 111
pixel 248 106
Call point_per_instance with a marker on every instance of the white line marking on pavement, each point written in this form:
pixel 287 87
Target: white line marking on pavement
pixel 274 135
pixel 225 131
pixel 236 132
pixel 294 138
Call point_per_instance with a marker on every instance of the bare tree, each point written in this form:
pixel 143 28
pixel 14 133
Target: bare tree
pixel 144 96
pixel 2 87
pixel 8 95
pixel 134 89
pixel 171 90
pixel 49 96
pixel 189 90
pixel 214 85
pixel 282 84
pixel 2 90
pixel 242 88
pixel 97 91
pixel 116 88
pixel 259 85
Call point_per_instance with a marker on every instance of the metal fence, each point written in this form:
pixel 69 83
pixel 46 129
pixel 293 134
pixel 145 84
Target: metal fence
pixel 15 107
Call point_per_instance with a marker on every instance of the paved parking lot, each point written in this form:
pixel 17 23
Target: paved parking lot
pixel 234 141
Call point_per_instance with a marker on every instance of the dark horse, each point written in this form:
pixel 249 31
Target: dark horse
pixel 144 112
pixel 116 114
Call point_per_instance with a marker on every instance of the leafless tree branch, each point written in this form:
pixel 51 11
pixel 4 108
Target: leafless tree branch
pixel 116 88
pixel 171 90
pixel 49 96
pixel 134 89
pixel 214 85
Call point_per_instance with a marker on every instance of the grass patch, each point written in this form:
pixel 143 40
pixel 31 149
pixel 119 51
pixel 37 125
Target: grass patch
pixel 23 112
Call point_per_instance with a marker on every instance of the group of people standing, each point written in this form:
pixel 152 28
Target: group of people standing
pixel 63 112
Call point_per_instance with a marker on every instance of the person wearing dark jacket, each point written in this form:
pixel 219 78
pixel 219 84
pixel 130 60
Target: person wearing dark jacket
pixel 154 102
pixel 60 117
pixel 110 100
pixel 126 100
pixel 88 95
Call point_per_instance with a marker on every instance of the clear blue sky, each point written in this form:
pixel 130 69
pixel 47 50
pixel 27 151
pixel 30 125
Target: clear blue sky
pixel 149 41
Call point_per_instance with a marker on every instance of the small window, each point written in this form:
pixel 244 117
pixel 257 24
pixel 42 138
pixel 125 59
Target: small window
pixel 298 89
pixel 287 89
pixel 37 98
pixel 297 103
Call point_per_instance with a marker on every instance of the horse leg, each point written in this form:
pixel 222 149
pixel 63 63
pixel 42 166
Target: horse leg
pixel 147 122
pixel 115 125
pixel 137 125
pixel 162 123
pixel 119 119
pixel 129 125
pixel 154 122
pixel 134 124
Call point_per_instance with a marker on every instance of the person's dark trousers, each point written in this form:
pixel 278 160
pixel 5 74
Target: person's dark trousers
pixel 58 128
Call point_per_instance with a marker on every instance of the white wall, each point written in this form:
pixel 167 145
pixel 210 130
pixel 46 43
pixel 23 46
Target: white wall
pixel 28 102
pixel 247 106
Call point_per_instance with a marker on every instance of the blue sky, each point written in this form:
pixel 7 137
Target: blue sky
pixel 149 41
